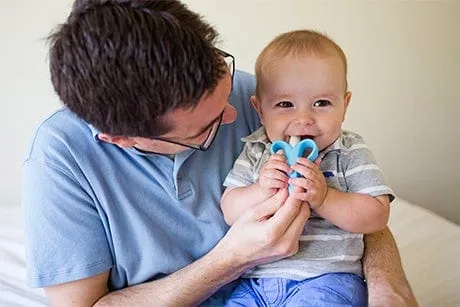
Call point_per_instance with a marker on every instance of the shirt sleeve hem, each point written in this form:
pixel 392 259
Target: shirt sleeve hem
pixel 73 274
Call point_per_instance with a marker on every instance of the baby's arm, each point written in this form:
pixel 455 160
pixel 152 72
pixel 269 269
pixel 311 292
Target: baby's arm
pixel 354 212
pixel 236 200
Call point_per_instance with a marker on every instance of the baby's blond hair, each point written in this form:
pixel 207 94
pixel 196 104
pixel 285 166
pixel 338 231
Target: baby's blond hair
pixel 296 43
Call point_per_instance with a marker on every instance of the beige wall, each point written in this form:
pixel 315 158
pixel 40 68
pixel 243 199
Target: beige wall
pixel 403 73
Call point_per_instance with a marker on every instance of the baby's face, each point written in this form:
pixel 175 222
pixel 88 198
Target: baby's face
pixel 305 97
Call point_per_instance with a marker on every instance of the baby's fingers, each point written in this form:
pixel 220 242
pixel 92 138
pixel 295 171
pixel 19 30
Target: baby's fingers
pixel 274 178
pixel 276 164
pixel 306 171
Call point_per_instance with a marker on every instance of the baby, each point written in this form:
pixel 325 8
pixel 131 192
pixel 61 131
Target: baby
pixel 302 92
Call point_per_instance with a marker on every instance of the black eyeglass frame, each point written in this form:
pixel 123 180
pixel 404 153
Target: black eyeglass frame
pixel 216 124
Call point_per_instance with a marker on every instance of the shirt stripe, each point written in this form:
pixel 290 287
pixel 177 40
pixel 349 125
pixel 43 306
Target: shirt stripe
pixel 330 237
pixel 371 190
pixel 361 168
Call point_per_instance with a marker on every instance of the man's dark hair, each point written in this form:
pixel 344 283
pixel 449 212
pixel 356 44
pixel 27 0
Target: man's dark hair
pixel 122 65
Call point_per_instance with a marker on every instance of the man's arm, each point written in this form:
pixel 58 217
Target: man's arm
pixel 266 232
pixel 386 281
pixel 83 292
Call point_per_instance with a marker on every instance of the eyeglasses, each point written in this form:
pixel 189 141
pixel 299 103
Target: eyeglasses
pixel 206 143
pixel 229 61
pixel 214 126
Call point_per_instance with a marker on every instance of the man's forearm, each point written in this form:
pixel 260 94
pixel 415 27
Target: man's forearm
pixel 386 281
pixel 187 287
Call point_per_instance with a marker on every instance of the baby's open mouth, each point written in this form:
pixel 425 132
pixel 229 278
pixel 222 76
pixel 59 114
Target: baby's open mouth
pixel 294 139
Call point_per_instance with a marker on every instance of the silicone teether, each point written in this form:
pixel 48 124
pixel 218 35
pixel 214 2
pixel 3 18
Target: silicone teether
pixel 294 150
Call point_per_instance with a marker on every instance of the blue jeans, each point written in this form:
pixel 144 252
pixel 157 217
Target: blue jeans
pixel 335 289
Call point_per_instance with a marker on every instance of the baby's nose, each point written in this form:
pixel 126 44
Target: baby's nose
pixel 304 119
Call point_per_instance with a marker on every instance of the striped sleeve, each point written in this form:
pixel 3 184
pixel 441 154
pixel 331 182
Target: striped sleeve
pixel 362 173
pixel 242 172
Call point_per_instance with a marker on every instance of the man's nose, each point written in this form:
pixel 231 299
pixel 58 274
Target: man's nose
pixel 229 115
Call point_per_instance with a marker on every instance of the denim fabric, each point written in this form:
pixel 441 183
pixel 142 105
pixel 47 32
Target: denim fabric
pixel 341 289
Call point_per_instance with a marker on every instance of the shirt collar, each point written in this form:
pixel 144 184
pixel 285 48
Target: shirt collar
pixel 338 146
pixel 258 136
pixel 94 132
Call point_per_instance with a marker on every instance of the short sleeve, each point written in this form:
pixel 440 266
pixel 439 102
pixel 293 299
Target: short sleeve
pixel 362 174
pixel 242 173
pixel 66 239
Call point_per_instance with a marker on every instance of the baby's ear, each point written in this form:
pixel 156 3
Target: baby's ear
pixel 257 105
pixel 347 99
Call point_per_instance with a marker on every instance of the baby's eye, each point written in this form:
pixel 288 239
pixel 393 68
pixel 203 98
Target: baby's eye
pixel 321 103
pixel 284 104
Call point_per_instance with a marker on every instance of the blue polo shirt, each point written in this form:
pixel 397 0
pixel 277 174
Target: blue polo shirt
pixel 91 206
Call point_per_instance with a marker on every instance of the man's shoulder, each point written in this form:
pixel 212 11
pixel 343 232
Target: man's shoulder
pixel 244 85
pixel 245 77
pixel 61 131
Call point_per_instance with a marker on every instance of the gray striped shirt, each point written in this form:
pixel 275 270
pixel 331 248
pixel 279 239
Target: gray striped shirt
pixel 348 165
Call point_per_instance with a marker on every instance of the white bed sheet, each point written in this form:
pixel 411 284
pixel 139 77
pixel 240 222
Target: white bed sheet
pixel 429 247
pixel 13 288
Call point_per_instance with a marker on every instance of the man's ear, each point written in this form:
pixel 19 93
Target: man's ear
pixel 120 141
pixel 257 105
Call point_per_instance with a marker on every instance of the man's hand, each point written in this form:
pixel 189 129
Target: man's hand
pixel 312 186
pixel 273 175
pixel 267 232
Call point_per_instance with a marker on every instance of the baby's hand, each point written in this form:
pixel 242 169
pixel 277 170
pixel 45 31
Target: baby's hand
pixel 312 183
pixel 273 174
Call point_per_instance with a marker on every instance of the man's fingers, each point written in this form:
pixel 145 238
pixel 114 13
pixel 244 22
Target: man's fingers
pixel 285 215
pixel 302 196
pixel 289 240
pixel 295 229
pixel 270 206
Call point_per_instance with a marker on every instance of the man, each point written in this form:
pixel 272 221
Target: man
pixel 121 187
